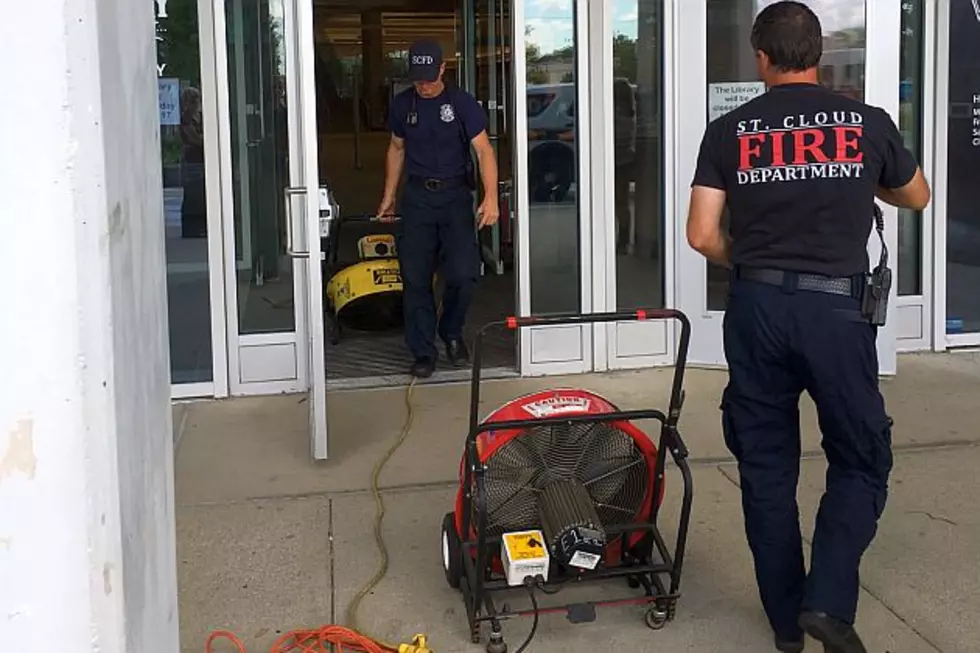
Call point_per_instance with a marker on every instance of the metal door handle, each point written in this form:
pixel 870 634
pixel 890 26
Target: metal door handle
pixel 290 193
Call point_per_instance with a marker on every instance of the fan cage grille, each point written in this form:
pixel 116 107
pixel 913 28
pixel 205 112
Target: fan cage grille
pixel 601 456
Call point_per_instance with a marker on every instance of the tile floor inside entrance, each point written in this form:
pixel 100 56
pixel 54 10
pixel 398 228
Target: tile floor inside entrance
pixel 269 541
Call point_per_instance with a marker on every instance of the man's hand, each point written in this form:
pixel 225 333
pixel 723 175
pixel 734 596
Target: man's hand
pixel 386 210
pixel 488 213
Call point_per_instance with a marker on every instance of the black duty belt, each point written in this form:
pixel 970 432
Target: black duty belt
pixel 431 183
pixel 800 281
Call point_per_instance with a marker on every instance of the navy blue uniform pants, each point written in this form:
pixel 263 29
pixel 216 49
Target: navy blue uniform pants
pixel 780 342
pixel 437 232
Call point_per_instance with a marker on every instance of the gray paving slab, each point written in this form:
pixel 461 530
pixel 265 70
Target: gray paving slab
pixel 256 568
pixel 933 401
pixel 925 561
pixel 718 612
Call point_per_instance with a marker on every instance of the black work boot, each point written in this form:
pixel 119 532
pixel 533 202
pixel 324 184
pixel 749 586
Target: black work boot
pixel 423 368
pixel 836 635
pixel 457 353
pixel 789 645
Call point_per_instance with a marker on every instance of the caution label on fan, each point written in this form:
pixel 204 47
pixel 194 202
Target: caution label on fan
pixel 525 546
pixel 584 560
pixel 386 276
pixel 558 405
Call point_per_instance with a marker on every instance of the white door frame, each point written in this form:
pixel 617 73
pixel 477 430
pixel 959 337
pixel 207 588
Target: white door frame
pixel 304 226
pixel 633 344
pixel 557 349
pixel 218 386
pixel 883 25
pixel 913 314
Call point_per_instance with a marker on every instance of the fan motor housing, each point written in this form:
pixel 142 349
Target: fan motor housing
pixel 571 525
pixel 534 476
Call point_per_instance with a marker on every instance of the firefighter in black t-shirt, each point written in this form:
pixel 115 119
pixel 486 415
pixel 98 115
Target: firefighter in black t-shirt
pixel 799 169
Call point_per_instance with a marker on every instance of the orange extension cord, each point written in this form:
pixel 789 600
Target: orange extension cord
pixel 328 639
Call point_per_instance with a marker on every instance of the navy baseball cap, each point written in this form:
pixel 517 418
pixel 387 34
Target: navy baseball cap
pixel 424 61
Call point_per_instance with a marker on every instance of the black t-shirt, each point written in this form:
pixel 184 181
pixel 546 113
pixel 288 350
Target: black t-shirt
pixel 437 145
pixel 800 165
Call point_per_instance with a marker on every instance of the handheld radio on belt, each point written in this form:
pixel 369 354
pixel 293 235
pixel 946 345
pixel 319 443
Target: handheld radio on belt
pixel 874 298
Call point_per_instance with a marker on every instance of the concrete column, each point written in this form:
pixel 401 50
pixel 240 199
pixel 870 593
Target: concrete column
pixel 86 454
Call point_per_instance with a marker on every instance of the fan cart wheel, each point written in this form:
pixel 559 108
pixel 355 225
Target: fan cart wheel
pixel 452 551
pixel 656 618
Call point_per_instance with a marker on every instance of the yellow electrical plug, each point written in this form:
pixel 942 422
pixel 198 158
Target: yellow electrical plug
pixel 418 645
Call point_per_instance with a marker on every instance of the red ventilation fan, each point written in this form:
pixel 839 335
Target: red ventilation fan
pixel 569 468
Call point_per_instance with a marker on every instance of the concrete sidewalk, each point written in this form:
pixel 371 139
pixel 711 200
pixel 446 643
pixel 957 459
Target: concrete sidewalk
pixel 269 541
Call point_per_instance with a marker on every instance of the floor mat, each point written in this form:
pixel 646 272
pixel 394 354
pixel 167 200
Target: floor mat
pixel 373 355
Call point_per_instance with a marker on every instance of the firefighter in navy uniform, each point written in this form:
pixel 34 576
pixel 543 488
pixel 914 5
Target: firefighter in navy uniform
pixel 432 128
pixel 799 169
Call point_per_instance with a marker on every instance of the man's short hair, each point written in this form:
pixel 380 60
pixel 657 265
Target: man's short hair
pixel 790 34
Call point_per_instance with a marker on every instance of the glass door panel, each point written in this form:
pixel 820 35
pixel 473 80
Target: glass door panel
pixel 554 133
pixel 259 164
pixel 963 159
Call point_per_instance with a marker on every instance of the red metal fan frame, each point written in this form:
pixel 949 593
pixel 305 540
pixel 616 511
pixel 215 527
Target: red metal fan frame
pixel 549 403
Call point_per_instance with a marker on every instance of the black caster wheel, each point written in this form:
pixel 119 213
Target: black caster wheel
pixel 496 644
pixel 452 552
pixel 632 582
pixel 656 618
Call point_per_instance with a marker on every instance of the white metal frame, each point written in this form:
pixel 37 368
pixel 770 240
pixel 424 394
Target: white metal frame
pixel 655 340
pixel 915 313
pixel 941 161
pixel 218 386
pixel 284 350
pixel 883 29
pixel 571 361
pixel 689 102
pixel 883 21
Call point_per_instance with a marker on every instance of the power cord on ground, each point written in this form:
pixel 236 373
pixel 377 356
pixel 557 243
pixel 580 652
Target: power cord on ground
pixel 338 638
pixel 531 583
pixel 379 517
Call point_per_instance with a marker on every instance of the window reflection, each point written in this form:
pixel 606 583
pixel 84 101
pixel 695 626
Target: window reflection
pixel 731 59
pixel 184 181
pixel 552 129
pixel 637 102
pixel 963 160
pixel 259 145
pixel 910 124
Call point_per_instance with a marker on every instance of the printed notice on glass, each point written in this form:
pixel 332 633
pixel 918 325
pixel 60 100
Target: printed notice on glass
pixel 168 91
pixel 726 96
pixel 976 120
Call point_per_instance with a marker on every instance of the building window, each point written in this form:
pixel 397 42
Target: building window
pixel 184 196
pixel 638 153
pixel 962 161
pixel 553 131
pixel 732 71
pixel 910 124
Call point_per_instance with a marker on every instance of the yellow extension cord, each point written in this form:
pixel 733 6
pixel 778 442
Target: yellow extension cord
pixel 418 644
